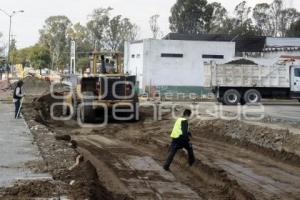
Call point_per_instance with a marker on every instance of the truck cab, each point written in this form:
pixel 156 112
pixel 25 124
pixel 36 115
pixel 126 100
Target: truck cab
pixel 295 81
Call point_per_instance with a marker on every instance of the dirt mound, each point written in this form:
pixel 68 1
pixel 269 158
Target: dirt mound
pixel 30 190
pixel 34 86
pixel 241 62
pixel 280 143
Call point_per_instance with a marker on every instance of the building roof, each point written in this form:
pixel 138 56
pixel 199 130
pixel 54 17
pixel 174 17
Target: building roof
pixel 243 43
pixel 276 42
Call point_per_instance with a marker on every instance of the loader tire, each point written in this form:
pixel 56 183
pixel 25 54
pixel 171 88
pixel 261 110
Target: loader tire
pixel 87 113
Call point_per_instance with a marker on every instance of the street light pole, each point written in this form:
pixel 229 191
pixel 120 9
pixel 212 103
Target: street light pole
pixel 9 33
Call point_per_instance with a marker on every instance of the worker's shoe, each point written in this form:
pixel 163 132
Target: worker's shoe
pixel 191 162
pixel 166 168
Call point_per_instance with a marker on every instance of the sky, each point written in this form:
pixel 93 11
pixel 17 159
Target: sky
pixel 25 26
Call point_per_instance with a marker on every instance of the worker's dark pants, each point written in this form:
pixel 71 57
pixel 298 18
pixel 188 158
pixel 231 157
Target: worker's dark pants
pixel 17 107
pixel 175 146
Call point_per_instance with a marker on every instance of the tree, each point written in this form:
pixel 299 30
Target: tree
pixel 219 18
pixel 110 33
pixel 40 57
pixel 2 46
pixel 97 25
pixel 294 31
pixel 191 16
pixel 154 27
pixel 261 15
pixel 287 18
pixel 80 35
pixel 54 37
pixel 242 23
pixel 118 31
pixel 13 50
pixel 275 13
pixel 273 20
pixel 35 56
pixel 242 12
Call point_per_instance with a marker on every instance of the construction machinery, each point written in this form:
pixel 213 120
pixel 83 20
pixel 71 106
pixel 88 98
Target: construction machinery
pixel 106 93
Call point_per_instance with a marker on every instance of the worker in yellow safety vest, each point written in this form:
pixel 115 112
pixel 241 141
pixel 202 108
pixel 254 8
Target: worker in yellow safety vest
pixel 180 139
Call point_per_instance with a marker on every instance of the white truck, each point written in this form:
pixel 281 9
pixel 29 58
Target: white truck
pixel 249 83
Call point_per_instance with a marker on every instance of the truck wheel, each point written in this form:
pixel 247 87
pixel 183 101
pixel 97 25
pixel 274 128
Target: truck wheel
pixel 252 96
pixel 231 97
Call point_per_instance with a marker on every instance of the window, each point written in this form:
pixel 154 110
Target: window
pixel 171 55
pixel 132 56
pixel 213 56
pixel 297 72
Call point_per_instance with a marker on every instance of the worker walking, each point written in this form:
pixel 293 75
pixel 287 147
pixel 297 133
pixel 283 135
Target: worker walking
pixel 17 96
pixel 180 139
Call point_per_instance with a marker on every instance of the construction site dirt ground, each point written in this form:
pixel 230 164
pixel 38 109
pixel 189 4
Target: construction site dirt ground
pixel 234 159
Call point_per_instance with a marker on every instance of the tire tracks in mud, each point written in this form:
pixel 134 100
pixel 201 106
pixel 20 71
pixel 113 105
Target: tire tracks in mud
pixel 208 182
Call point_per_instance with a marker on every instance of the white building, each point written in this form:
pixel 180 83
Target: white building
pixel 174 65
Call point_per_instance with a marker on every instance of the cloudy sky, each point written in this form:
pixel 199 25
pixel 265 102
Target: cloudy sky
pixel 26 25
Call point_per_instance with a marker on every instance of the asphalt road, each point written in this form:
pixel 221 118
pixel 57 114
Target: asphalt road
pixel 287 111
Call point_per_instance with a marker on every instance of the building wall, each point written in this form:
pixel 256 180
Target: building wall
pixel 134 59
pixel 175 72
pixel 270 58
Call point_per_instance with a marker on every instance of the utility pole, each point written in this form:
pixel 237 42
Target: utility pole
pixel 9 35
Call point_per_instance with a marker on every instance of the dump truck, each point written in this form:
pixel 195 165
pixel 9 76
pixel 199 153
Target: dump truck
pixel 249 83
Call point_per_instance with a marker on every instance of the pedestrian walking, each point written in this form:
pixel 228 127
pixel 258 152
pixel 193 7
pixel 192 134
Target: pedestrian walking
pixel 180 139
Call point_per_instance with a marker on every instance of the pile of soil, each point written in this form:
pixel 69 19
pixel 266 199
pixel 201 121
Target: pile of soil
pixel 34 86
pixel 32 189
pixel 4 89
pixel 279 142
pixel 241 62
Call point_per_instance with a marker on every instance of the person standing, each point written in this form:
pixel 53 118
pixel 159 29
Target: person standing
pixel 17 96
pixel 180 139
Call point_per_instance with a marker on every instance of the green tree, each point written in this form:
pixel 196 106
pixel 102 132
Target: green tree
pixel 80 35
pixel 261 16
pixel 23 56
pixel 242 23
pixel 35 56
pixel 40 57
pixel 53 36
pixel 219 19
pixel 118 31
pixel 110 33
pixel 294 30
pixel 13 50
pixel 287 18
pixel 2 46
pixel 97 26
pixel 154 27
pixel 276 8
pixel 191 16
pixel 273 20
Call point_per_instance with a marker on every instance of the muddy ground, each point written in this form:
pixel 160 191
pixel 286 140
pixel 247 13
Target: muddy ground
pixel 235 160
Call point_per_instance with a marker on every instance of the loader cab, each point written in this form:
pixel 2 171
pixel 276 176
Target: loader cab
pixel 295 80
